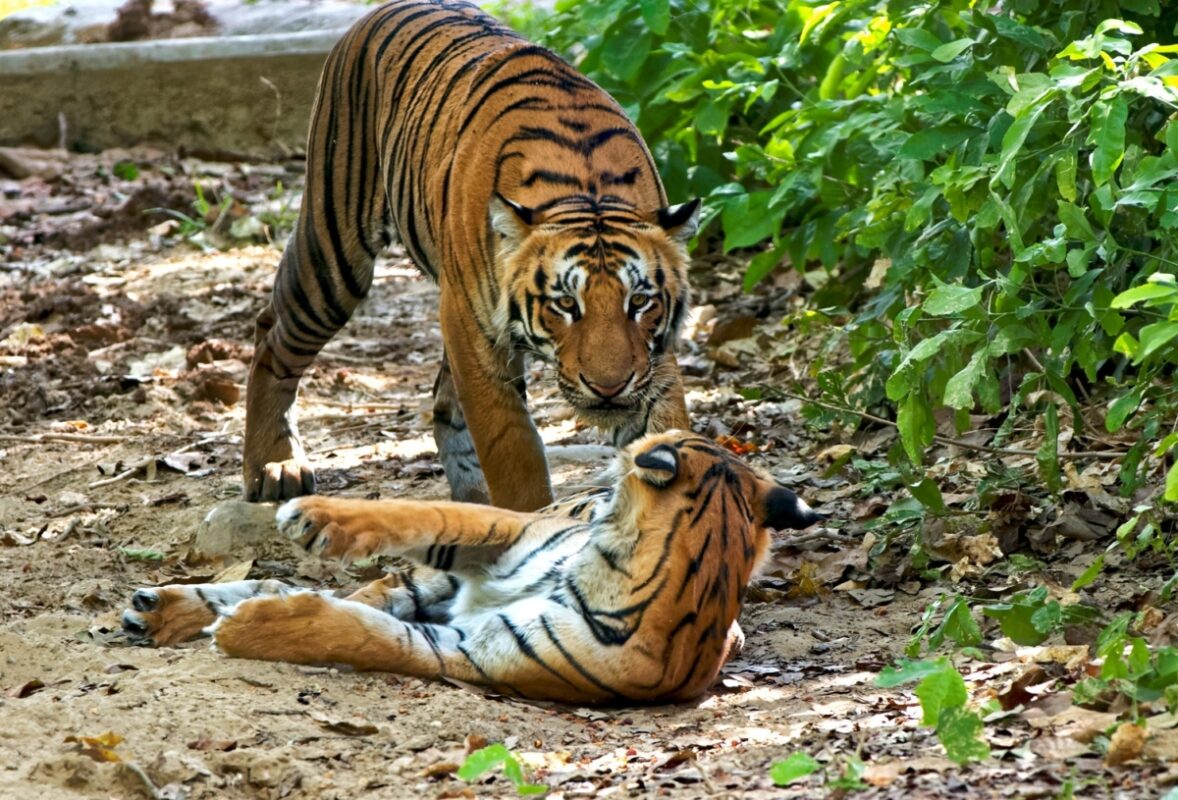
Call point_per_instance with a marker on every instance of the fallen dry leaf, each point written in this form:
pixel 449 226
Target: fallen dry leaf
pixel 234 572
pixel 1071 656
pixel 346 727
pixel 25 689
pixel 1057 748
pixel 99 748
pixel 1126 744
pixel 217 745
pixel 439 770
pixel 1162 744
pixel 870 598
pixel 882 775
pixel 1081 724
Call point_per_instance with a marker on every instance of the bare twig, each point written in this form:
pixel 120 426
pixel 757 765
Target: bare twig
pixel 999 451
pixel 127 473
pixel 820 535
pixel 153 791
pixel 73 438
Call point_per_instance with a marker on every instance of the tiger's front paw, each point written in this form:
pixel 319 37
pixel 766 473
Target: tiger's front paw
pixel 278 480
pixel 321 525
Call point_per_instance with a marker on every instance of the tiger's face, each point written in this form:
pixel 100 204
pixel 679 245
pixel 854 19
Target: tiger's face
pixel 707 479
pixel 599 293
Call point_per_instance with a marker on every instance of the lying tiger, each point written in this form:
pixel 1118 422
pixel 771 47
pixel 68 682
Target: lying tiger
pixel 520 187
pixel 628 594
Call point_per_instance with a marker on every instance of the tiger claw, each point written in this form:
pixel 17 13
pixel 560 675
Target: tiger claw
pixel 145 600
pixel 136 629
pixel 280 480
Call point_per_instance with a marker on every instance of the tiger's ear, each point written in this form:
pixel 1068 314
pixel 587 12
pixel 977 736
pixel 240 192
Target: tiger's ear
pixel 784 509
pixel 511 220
pixel 658 466
pixel 680 222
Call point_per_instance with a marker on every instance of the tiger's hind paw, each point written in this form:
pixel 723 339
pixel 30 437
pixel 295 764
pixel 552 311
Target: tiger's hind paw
pixel 166 616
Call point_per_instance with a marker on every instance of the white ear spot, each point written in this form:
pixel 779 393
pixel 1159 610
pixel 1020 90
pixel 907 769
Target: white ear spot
pixel 660 458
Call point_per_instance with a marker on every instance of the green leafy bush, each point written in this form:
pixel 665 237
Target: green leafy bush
pixel 985 193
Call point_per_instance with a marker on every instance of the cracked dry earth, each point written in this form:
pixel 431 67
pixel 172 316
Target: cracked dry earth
pixel 120 430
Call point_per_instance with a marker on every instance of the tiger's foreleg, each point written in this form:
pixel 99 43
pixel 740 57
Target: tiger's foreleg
pixel 455 445
pixel 446 536
pixel 489 388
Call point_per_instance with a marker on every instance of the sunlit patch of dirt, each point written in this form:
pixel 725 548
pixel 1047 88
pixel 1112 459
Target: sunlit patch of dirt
pixel 122 369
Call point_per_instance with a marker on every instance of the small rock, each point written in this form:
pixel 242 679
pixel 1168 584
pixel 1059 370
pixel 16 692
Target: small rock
pixel 232 525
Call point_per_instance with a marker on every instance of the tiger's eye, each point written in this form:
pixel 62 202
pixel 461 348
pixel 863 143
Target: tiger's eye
pixel 639 300
pixel 566 303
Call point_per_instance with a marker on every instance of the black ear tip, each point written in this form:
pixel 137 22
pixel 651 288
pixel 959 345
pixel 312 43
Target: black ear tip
pixel 784 509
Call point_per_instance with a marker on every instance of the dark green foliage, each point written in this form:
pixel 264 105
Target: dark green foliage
pixel 985 196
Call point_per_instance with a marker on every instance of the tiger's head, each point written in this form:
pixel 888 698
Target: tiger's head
pixel 675 470
pixel 599 290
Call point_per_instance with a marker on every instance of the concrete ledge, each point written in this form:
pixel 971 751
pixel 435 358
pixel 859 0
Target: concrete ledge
pixel 250 95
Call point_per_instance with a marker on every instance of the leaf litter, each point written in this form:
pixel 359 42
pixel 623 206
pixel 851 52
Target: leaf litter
pixel 123 431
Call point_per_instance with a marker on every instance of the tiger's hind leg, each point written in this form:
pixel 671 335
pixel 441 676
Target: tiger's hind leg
pixel 414 594
pixel 325 272
pixel 172 614
pixel 311 628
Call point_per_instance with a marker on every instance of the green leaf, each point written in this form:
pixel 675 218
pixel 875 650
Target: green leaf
pixel 940 690
pixel 960 732
pixel 1016 135
pixel 1171 494
pixel 1146 291
pixel 917 426
pixel 748 219
pixel 1108 134
pixel 657 14
pixel 795 767
pixel 125 170
pixel 1153 337
pixel 711 118
pixel 1089 575
pixel 627 52
pixel 951 299
pixel 947 52
pixel 1048 453
pixel 1120 409
pixel 1076 223
pixel 907 672
pixel 929 143
pixel 1065 175
pixel 1016 618
pixel 958 626
pixel 928 493
pixel 959 388
pixel 481 761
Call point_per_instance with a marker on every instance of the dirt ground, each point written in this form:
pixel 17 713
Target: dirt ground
pixel 122 360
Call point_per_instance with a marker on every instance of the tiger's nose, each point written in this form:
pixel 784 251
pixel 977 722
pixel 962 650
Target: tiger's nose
pixel 606 391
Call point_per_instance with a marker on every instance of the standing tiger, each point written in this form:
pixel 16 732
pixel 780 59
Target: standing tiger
pixel 635 599
pixel 519 186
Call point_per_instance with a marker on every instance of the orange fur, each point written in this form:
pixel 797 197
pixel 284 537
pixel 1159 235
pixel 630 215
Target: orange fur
pixel 523 189
pixel 636 598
